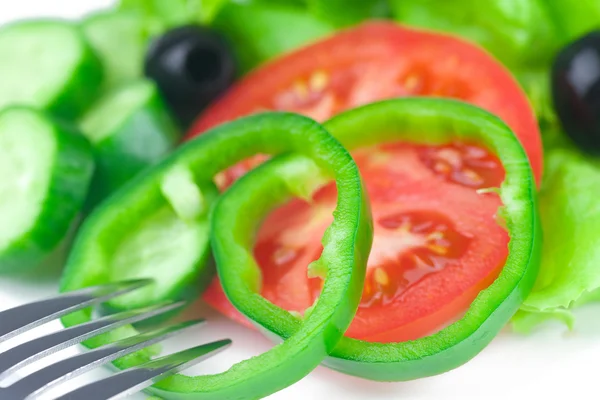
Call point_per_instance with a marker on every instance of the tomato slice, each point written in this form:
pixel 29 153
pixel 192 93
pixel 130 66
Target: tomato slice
pixel 437 242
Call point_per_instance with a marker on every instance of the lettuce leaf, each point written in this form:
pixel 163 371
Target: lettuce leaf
pixel 575 18
pixel 570 212
pixel 170 13
pixel 259 33
pixel 348 12
pixel 509 29
pixel 525 321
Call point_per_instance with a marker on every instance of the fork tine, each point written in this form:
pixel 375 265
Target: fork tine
pixel 26 353
pixel 20 319
pixel 135 379
pixel 36 383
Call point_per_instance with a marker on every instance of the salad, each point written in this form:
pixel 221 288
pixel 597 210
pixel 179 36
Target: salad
pixel 380 186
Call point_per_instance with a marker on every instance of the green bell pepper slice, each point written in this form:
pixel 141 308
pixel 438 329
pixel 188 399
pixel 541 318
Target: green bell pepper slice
pixel 179 192
pixel 428 121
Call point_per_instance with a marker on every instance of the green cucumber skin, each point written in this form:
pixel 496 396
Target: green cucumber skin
pixel 82 90
pixel 124 154
pixel 71 175
pixel 86 81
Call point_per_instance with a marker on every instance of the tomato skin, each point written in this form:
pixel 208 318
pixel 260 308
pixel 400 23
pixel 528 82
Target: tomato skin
pixel 392 61
pixel 443 66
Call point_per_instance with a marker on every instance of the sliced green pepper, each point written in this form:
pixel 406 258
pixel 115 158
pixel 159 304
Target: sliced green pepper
pixel 422 121
pixel 169 205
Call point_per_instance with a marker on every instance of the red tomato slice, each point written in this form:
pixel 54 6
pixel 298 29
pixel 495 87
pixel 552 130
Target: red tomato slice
pixel 437 242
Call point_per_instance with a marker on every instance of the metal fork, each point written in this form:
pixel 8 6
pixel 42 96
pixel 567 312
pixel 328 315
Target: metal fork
pixel 21 319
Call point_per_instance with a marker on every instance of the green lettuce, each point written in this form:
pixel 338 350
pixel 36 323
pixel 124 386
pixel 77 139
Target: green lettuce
pixel 570 213
pixel 508 29
pixel 574 18
pixel 170 13
pixel 259 33
pixel 348 12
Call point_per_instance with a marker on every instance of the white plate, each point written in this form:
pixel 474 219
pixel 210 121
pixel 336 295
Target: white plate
pixel 550 363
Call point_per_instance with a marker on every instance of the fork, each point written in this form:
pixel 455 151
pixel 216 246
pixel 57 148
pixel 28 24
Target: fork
pixel 23 318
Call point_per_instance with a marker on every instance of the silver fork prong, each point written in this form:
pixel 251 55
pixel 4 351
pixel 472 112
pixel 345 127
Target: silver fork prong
pixel 135 379
pixel 64 370
pixel 26 353
pixel 20 319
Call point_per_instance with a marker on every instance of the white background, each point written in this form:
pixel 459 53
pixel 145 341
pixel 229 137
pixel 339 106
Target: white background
pixel 550 363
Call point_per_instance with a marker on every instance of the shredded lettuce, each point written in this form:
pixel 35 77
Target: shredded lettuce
pixel 570 213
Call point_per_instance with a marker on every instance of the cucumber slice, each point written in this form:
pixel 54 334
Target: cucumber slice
pixel 47 64
pixel 46 171
pixel 119 38
pixel 130 129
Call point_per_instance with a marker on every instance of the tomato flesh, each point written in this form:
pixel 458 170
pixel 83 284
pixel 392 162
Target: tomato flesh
pixel 437 241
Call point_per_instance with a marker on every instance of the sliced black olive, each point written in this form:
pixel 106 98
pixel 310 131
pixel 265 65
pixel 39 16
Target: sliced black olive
pixel 192 65
pixel 576 91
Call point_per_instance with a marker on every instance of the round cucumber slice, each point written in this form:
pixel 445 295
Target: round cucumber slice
pixel 130 129
pixel 48 64
pixel 46 171
pixel 120 40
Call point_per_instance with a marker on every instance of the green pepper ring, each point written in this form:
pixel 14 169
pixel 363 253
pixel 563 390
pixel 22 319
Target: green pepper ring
pixel 349 239
pixel 428 121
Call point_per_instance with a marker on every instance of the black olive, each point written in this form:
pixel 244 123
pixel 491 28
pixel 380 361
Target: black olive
pixel 192 65
pixel 576 91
